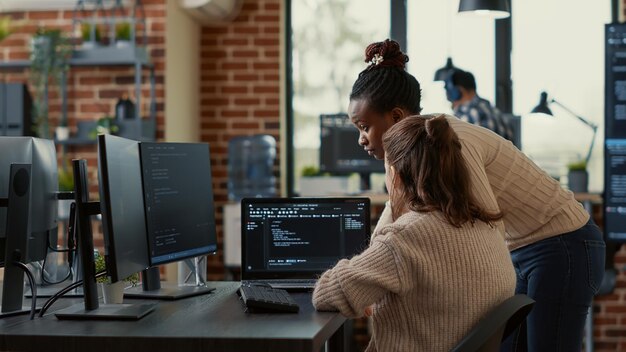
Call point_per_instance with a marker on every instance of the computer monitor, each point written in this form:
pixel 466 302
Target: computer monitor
pixel 614 210
pixel 179 210
pixel 41 154
pixel 122 207
pixel 178 195
pixel 514 123
pixel 111 208
pixel 340 152
pixel 28 187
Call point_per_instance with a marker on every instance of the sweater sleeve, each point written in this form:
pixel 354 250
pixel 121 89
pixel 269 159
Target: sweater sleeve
pixel 385 219
pixel 357 283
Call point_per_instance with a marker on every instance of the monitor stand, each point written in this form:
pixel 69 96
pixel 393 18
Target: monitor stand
pixel 23 311
pixel 91 309
pixel 152 288
pixel 106 312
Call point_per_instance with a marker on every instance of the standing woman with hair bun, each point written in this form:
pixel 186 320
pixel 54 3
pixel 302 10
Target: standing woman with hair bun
pixel 557 251
pixel 441 266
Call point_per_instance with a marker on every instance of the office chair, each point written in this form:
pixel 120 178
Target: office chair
pixel 496 325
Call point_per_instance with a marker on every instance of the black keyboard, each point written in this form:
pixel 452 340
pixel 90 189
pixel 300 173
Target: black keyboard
pixel 261 299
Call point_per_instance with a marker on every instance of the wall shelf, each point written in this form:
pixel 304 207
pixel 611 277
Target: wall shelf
pixel 128 55
pixel 111 56
pixel 98 56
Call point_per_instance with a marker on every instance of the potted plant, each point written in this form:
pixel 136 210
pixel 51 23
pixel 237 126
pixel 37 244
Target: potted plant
pixel 49 63
pixel 577 176
pixel 123 34
pixel 112 293
pixel 315 183
pixel 90 34
pixel 105 125
pixel 5 27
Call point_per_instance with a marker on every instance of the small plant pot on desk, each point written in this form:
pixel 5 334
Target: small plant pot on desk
pixel 113 293
pixel 577 176
pixel 577 181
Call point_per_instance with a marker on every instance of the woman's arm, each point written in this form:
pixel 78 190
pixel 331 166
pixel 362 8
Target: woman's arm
pixel 352 285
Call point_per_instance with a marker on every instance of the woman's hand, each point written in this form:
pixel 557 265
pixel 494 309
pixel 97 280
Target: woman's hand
pixel 369 311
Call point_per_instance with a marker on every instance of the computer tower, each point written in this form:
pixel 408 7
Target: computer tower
pixel 15 110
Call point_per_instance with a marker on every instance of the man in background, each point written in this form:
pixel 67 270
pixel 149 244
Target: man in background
pixel 468 106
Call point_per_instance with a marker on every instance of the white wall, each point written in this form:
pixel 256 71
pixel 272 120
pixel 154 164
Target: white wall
pixel 558 46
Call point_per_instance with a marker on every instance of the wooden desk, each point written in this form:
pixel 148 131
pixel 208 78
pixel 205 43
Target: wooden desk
pixel 212 322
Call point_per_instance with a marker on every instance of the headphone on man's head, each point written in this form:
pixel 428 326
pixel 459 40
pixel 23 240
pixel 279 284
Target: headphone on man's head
pixel 453 93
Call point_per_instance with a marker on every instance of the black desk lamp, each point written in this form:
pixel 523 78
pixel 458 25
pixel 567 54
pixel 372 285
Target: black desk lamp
pixel 543 108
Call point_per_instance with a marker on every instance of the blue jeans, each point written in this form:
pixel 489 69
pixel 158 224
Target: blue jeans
pixel 562 274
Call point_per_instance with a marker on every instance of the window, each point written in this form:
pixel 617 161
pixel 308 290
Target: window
pixel 558 46
pixel 562 55
pixel 328 39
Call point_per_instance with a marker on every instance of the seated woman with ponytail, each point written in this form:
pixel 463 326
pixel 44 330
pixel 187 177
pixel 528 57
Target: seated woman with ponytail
pixel 441 264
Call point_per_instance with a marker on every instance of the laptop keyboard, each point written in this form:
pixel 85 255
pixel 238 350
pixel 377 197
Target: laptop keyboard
pixel 294 283
pixel 266 299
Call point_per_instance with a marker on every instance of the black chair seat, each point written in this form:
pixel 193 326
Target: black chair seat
pixel 497 325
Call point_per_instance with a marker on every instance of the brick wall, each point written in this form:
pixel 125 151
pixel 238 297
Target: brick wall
pixel 239 91
pixel 610 311
pixel 92 91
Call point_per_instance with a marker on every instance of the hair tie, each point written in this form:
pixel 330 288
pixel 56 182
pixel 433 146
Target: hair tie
pixel 376 60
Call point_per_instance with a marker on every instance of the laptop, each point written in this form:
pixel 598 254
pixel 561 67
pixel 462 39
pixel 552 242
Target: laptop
pixel 288 243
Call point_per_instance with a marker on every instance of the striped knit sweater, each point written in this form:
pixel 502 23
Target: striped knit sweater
pixel 535 206
pixel 430 282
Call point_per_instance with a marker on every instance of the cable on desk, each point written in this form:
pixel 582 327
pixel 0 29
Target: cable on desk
pixel 70 260
pixel 33 287
pixel 63 291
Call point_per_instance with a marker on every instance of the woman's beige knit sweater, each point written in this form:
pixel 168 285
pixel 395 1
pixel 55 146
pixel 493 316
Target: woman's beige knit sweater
pixel 430 282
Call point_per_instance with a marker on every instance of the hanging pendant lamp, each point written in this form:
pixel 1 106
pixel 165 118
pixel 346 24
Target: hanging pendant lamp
pixel 442 73
pixel 490 8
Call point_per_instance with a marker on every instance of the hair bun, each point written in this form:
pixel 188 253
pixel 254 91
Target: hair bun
pixel 385 54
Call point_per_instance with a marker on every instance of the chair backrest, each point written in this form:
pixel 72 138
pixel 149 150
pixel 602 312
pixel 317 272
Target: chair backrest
pixel 497 325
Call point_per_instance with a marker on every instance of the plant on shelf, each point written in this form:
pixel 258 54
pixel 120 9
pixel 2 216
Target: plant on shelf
pixel 105 125
pixel 579 165
pixel 49 63
pixel 123 33
pixel 66 184
pixel 66 179
pixel 5 27
pixel 313 182
pixel 90 34
pixel 310 171
pixel 577 176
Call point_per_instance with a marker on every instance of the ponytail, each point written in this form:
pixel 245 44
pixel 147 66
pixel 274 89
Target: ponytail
pixel 426 154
